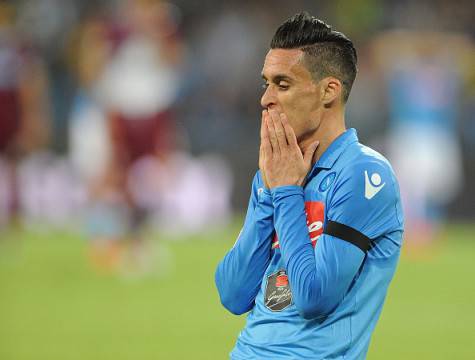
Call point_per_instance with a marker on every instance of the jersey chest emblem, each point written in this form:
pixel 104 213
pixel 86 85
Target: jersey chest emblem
pixel 315 217
pixel 327 181
pixel 278 295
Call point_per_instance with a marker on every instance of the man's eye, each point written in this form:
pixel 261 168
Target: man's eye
pixel 283 86
pixel 265 86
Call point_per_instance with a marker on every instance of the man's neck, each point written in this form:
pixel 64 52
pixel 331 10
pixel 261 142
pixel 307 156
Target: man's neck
pixel 331 126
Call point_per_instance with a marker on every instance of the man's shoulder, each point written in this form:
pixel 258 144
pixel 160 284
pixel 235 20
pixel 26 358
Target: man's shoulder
pixel 365 194
pixel 367 175
pixel 359 158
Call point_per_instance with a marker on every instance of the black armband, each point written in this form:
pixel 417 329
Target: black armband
pixel 348 234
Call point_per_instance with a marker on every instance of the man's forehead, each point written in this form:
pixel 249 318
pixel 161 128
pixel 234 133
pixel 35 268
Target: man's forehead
pixel 282 60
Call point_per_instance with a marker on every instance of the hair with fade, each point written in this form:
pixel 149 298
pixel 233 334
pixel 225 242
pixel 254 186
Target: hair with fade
pixel 326 52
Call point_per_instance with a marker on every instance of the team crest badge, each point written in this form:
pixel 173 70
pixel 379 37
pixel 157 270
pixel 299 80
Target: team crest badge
pixel 327 181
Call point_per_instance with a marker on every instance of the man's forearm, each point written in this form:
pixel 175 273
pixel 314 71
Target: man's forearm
pixel 319 278
pixel 239 275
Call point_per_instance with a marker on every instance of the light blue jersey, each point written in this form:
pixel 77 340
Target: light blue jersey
pixel 313 264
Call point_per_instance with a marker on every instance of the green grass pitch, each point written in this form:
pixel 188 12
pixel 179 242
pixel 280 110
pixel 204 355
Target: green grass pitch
pixel 54 306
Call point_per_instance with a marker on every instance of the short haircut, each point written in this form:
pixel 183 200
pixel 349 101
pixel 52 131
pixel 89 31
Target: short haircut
pixel 326 52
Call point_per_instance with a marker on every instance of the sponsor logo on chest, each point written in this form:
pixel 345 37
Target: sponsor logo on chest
pixel 315 218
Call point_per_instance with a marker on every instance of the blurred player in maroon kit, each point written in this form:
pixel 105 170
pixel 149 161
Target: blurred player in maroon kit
pixel 135 83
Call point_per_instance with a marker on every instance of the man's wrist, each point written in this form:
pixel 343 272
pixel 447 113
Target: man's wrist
pixel 265 196
pixel 285 190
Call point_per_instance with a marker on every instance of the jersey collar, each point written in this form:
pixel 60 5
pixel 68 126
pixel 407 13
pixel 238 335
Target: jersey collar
pixel 333 152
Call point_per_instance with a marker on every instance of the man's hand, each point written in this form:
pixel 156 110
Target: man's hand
pixel 264 135
pixel 280 159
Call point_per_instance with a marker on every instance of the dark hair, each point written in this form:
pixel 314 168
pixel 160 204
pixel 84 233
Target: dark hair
pixel 326 52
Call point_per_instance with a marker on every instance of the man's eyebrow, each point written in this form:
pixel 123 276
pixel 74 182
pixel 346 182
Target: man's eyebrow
pixel 278 78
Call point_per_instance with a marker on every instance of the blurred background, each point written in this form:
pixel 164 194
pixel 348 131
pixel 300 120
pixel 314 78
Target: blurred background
pixel 128 142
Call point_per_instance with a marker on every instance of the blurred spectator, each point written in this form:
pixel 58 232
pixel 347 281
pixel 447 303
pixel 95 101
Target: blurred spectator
pixel 24 113
pixel 46 25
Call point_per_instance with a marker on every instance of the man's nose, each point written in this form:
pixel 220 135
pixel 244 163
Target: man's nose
pixel 268 99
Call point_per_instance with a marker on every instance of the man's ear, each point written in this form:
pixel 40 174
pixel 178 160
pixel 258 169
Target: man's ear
pixel 331 90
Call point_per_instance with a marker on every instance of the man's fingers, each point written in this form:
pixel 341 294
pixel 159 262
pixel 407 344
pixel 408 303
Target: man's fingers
pixel 265 139
pixel 289 132
pixel 272 135
pixel 261 154
pixel 279 129
pixel 266 147
pixel 264 132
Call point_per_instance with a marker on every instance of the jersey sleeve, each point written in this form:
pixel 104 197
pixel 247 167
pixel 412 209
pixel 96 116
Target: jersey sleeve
pixel 239 275
pixel 319 278
pixel 364 204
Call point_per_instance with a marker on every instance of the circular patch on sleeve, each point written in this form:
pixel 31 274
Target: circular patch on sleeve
pixel 278 295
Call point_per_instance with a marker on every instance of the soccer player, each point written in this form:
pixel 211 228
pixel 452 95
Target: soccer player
pixel 323 231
